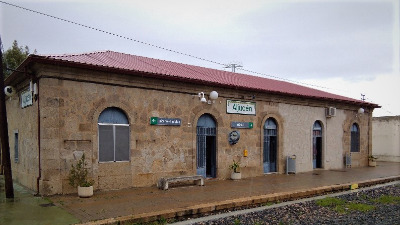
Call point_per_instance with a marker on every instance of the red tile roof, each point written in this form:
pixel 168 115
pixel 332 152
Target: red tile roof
pixel 196 74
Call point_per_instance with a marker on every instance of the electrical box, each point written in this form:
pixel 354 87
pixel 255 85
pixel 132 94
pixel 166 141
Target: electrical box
pixel 291 164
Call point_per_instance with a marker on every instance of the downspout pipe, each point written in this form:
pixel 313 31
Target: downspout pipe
pixel 37 99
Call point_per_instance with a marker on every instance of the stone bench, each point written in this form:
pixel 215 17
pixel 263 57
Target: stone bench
pixel 164 182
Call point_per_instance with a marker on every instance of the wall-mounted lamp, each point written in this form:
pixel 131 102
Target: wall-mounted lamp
pixel 213 97
pixel 33 89
pixel 202 98
pixel 360 110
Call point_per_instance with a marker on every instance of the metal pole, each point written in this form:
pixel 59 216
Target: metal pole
pixel 5 147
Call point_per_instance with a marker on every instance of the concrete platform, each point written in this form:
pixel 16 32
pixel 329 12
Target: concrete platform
pixel 151 203
pixel 148 204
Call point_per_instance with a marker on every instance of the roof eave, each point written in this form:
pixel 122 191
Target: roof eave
pixel 47 60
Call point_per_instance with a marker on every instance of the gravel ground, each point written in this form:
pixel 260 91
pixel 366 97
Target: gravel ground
pixel 312 213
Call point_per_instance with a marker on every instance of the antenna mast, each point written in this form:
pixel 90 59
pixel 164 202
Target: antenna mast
pixel 233 65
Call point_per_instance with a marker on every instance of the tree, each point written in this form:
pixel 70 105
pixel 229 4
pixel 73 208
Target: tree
pixel 13 57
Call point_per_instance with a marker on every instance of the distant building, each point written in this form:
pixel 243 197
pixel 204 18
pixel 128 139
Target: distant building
pixel 139 119
pixel 386 138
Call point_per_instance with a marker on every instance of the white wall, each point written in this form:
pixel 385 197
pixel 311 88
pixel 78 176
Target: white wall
pixel 386 138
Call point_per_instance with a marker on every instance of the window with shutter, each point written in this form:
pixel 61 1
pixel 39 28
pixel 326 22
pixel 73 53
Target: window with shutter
pixel 114 135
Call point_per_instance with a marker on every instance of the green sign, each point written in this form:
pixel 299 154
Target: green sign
pixel 165 121
pixel 248 125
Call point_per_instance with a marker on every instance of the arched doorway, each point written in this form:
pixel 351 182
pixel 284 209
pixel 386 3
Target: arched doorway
pixel 270 146
pixel 206 146
pixel 317 145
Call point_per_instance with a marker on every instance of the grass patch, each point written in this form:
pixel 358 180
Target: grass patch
pixel 236 222
pixel 360 207
pixel 330 202
pixel 342 206
pixel 267 204
pixel 388 199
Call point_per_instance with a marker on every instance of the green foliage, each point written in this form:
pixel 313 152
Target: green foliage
pixel 388 199
pixel 236 222
pixel 14 56
pixel 372 158
pixel 78 175
pixel 342 206
pixel 235 166
pixel 162 220
pixel 360 207
pixel 330 202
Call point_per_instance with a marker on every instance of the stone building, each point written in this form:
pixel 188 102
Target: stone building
pixel 386 138
pixel 138 119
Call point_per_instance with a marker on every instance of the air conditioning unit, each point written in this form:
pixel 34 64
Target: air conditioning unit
pixel 330 112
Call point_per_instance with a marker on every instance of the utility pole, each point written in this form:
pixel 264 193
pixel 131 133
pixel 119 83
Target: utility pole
pixel 5 147
pixel 233 66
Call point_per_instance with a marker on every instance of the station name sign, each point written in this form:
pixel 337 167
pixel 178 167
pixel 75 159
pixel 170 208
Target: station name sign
pixel 26 99
pixel 165 121
pixel 239 107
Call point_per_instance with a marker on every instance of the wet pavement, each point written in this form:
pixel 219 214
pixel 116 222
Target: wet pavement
pixel 25 208
pixel 150 203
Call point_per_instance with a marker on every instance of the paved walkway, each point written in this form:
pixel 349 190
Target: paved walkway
pixel 142 204
pixel 27 209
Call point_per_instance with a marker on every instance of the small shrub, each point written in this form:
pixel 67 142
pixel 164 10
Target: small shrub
pixel 235 166
pixel 78 175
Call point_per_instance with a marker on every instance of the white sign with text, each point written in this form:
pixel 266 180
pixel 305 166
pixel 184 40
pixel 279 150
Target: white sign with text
pixel 239 107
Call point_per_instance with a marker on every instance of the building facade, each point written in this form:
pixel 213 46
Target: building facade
pixel 386 138
pixel 138 119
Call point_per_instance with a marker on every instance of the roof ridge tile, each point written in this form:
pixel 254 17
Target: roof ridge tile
pixel 128 62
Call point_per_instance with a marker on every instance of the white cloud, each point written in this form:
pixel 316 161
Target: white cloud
pixel 383 90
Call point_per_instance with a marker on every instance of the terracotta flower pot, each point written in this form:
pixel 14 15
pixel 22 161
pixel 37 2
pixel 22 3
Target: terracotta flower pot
pixel 236 176
pixel 85 192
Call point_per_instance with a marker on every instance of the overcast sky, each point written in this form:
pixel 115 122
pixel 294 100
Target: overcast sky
pixel 343 47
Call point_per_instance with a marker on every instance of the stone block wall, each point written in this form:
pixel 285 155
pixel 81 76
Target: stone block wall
pixel 23 122
pixel 71 101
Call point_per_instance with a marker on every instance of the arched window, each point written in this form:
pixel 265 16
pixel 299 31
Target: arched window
pixel 113 135
pixel 270 146
pixel 355 138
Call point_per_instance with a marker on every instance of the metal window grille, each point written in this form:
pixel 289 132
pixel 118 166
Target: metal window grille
pixel 355 141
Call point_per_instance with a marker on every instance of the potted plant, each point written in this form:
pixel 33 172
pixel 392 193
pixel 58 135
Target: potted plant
pixel 372 160
pixel 235 175
pixel 78 177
